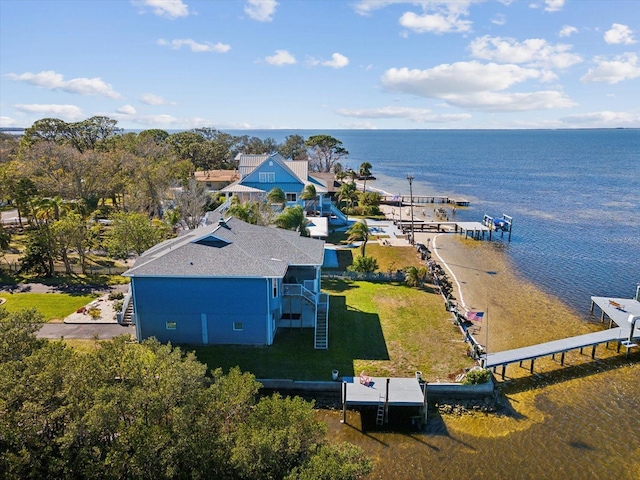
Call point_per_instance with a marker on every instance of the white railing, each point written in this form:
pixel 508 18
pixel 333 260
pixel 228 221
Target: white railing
pixel 298 290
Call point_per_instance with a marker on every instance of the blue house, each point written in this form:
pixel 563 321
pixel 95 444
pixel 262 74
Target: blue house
pixel 259 174
pixel 229 283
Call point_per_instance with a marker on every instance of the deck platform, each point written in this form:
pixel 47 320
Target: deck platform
pixel 617 309
pixel 475 229
pixel 403 392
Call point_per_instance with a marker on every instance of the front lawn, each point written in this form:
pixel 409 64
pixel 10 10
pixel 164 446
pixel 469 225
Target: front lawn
pixel 54 306
pixel 385 329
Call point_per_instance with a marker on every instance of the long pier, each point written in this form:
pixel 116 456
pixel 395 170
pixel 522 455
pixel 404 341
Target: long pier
pixel 622 312
pixel 422 200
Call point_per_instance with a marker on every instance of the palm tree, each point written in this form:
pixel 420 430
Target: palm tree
pixel 276 196
pixel 309 195
pixel 247 211
pixel 293 218
pixel 349 195
pixel 359 231
pixel 353 175
pixel 365 172
pixel 416 277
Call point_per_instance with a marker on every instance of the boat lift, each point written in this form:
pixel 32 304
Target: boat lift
pixel 504 224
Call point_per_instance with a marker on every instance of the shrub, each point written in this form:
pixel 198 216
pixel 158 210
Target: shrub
pixel 95 313
pixel 116 296
pixel 364 265
pixel 117 305
pixel 477 377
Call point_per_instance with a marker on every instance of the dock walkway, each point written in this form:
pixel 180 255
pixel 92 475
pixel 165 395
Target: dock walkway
pixel 617 309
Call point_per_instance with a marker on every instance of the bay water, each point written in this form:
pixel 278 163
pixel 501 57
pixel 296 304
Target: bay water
pixel 574 196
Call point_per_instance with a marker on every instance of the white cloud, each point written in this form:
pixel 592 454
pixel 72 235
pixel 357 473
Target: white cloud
pixel 337 61
pixel 282 57
pixel 499 19
pixel 434 23
pixel 603 119
pixel 436 16
pixel 196 47
pixel 7 122
pixel 419 115
pixel 261 10
pixel 553 5
pixel 511 102
pixel 619 34
pixel 65 112
pixel 623 67
pixel 55 81
pixel 126 110
pixel 151 99
pixel 157 121
pixel 457 78
pixel 476 86
pixel 531 52
pixel 165 8
pixel 567 30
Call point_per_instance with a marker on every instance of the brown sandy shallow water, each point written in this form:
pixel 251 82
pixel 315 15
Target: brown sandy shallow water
pixel 577 422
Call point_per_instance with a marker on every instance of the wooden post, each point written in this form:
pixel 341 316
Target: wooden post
pixel 504 369
pixel 531 369
pixel 619 345
pixel 562 359
pixel 593 351
pixel 386 403
pixel 424 402
pixel 344 402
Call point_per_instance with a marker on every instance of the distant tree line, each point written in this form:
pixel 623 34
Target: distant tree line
pixel 149 411
pixel 68 180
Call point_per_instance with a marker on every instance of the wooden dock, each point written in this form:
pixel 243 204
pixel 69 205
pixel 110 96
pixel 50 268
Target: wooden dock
pixel 625 334
pixel 422 200
pixel 474 229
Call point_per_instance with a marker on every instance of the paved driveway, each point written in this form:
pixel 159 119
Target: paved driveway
pixel 104 331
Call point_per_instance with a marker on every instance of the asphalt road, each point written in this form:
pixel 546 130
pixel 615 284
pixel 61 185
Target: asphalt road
pixel 104 331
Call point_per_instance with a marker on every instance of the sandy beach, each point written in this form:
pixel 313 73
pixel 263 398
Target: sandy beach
pixel 517 312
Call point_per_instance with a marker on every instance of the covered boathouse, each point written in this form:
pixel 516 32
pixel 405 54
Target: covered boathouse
pixel 381 394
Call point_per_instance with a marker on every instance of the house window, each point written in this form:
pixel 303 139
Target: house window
pixel 172 325
pixel 238 327
pixel 267 177
pixel 275 288
pixel 292 197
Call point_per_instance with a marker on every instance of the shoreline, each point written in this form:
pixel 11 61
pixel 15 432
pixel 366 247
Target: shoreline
pixel 518 311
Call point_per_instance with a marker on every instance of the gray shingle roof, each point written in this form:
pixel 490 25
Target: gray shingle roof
pixel 241 250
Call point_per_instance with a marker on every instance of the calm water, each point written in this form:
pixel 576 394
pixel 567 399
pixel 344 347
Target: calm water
pixel 575 199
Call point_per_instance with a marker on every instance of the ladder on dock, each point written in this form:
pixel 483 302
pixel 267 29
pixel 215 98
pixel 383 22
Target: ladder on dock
pixel 380 414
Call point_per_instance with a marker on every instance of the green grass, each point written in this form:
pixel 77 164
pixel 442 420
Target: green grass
pixel 383 329
pixel 54 306
pixel 390 259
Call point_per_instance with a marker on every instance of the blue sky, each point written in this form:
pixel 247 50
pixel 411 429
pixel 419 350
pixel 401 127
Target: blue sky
pixel 322 64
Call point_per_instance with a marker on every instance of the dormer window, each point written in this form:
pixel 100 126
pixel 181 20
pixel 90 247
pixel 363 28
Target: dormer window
pixel 267 177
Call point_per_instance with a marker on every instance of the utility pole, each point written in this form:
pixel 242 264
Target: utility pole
pixel 410 178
